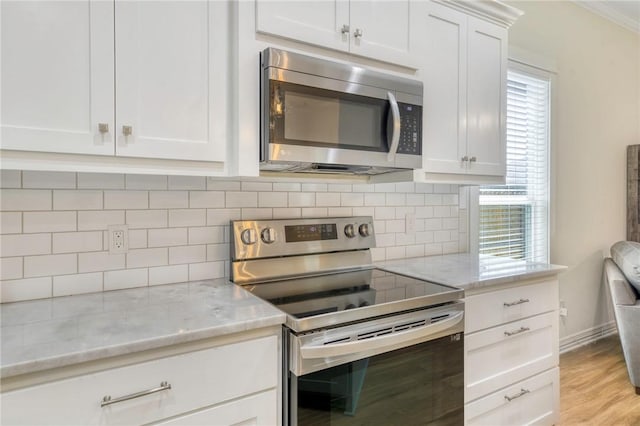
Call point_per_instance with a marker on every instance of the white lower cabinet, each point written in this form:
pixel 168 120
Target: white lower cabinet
pixel 511 355
pixel 228 384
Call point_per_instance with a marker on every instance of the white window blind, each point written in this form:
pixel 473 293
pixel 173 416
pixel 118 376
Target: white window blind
pixel 514 217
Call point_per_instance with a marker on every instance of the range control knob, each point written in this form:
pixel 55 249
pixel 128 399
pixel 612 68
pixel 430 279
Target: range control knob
pixel 350 306
pixel 248 236
pixel 364 230
pixel 350 231
pixel 364 303
pixel 268 235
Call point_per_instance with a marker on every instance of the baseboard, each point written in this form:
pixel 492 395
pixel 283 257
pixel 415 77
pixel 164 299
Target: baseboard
pixel 587 336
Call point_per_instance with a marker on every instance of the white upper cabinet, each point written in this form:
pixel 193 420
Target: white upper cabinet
pixel 463 64
pixel 170 76
pixel 125 78
pixel 374 29
pixel 57 76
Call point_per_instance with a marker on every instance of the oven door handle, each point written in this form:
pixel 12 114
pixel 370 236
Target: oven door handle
pixel 395 122
pixel 389 340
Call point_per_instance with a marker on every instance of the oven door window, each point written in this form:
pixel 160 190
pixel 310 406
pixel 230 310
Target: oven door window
pixel 303 115
pixel 417 385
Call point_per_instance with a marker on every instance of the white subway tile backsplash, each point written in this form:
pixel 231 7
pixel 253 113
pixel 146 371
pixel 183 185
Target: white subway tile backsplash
pixel 100 261
pixel 187 217
pixel 167 237
pixel 241 199
pixel 55 264
pixel 188 182
pixel 25 289
pixel 206 235
pixel 10 179
pixel 147 257
pixel 128 278
pixel 146 182
pixel 67 285
pixel 10 268
pixel 168 274
pixel 179 226
pixel 302 199
pixel 324 199
pixel 24 244
pixel 121 200
pixel 10 222
pixel 65 199
pixel 48 180
pixel 146 219
pixel 206 199
pixel 272 199
pixel 188 254
pixel 222 217
pixel 168 199
pixel 206 271
pixel 25 199
pixel 49 222
pixel 77 242
pixel 100 181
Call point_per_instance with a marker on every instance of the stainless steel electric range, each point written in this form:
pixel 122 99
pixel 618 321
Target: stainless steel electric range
pixel 361 345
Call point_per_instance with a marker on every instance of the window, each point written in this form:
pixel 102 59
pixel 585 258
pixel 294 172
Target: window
pixel 514 217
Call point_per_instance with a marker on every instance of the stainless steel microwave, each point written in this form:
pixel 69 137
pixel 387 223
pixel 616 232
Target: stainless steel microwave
pixel 328 117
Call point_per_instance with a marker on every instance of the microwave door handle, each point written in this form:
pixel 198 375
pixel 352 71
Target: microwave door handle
pixel 395 136
pixel 389 340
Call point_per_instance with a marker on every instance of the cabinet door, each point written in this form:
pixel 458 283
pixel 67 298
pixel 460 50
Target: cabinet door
pixel 316 22
pixel 381 30
pixel 444 51
pixel 486 98
pixel 171 79
pixel 57 76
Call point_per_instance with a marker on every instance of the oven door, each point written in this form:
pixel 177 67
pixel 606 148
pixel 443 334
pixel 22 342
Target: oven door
pixel 406 369
pixel 312 119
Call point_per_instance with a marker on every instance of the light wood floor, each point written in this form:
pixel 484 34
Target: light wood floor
pixel 595 388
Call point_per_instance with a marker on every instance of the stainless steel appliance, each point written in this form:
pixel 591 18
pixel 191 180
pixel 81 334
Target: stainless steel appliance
pixel 361 345
pixel 323 116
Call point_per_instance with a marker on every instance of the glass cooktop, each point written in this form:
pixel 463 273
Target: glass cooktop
pixel 336 298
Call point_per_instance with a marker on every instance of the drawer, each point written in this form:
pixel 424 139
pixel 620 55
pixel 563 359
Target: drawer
pixel 510 304
pixel 500 356
pixel 533 401
pixel 198 379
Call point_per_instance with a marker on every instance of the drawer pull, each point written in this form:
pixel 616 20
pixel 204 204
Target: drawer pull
pixel 518 395
pixel 513 333
pixel 517 302
pixel 108 401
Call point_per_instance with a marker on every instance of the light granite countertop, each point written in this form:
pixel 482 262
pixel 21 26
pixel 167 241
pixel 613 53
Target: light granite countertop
pixel 43 334
pixel 468 271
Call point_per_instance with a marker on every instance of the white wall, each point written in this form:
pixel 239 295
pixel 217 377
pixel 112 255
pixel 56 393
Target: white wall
pixel 54 240
pixel 595 116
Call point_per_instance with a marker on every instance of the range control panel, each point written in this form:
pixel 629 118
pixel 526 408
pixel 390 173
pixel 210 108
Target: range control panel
pixel 253 239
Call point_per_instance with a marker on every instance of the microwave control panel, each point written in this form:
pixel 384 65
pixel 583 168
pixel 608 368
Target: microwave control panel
pixel 410 129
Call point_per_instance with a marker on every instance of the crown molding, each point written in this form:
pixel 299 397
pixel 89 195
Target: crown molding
pixel 608 12
pixel 491 10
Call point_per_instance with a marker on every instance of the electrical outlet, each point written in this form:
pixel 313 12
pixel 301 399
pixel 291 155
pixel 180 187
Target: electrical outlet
pixel 563 309
pixel 118 239
pixel 410 223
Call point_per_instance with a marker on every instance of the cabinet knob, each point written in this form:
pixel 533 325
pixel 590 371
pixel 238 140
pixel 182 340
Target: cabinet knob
pixel 127 130
pixel 465 158
pixel 345 29
pixel 472 159
pixel 103 128
pixel 357 33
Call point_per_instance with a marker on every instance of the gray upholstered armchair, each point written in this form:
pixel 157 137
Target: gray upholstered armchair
pixel 625 262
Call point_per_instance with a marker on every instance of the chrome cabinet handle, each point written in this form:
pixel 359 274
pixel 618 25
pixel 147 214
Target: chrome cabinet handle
pixel 517 302
pixel 518 395
pixel 345 29
pixel 465 158
pixel 103 128
pixel 395 136
pixel 108 401
pixel 513 333
pixel 127 130
pixel 357 33
pixel 472 159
